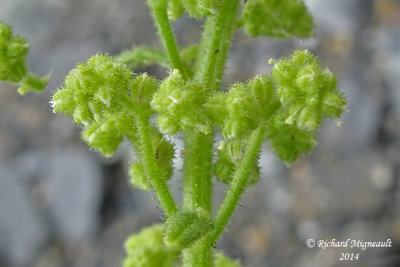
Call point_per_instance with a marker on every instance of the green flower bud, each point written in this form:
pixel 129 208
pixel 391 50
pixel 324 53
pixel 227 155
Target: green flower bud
pixel 103 137
pixel 230 154
pixel 184 228
pixel 175 9
pixel 277 18
pixel 181 103
pixel 243 108
pixel 222 260
pixel 138 177
pixel 307 91
pixel 288 140
pixel 142 89
pixel 146 249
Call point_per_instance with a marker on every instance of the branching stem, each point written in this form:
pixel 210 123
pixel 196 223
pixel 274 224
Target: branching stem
pixel 146 152
pixel 159 11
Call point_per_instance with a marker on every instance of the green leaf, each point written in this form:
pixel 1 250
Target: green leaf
pixel 277 18
pixel 184 228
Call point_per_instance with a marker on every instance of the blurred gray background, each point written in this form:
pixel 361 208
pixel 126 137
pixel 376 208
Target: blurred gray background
pixel 63 205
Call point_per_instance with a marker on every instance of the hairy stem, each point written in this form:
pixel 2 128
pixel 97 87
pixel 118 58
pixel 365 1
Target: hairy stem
pixel 210 65
pixel 159 11
pixel 153 172
pixel 197 172
pixel 215 44
pixel 238 184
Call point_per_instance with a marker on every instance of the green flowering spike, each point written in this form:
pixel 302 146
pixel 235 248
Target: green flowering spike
pixel 230 154
pixel 146 249
pixel 13 51
pixel 277 18
pixel 184 228
pixel 180 103
pixel 306 90
pixel 288 140
pixel 222 260
pixel 200 8
pixel 103 137
pixel 138 177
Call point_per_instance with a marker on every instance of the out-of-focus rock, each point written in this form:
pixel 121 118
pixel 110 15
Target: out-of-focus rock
pixel 75 183
pixel 22 232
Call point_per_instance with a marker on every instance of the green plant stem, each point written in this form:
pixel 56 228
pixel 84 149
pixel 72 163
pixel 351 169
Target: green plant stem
pixel 153 172
pixel 159 11
pixel 197 189
pixel 238 185
pixel 198 168
pixel 215 44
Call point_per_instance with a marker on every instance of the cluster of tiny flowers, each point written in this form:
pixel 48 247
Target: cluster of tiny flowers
pixel 104 97
pixel 13 52
pixel 277 18
pixel 180 105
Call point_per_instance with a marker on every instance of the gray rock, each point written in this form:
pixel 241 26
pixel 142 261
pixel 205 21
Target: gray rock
pixel 22 232
pixel 75 191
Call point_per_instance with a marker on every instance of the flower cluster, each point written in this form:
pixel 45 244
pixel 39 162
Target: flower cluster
pixel 277 18
pixel 13 52
pixel 307 91
pixel 180 105
pixel 146 249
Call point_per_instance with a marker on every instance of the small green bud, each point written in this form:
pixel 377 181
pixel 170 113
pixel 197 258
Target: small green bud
pixel 306 90
pixel 146 249
pixel 138 177
pixel 288 140
pixel 244 107
pixel 180 102
pixel 230 154
pixel 222 260
pixel 184 228
pixel 103 137
pixel 175 9
pixel 277 18
pixel 63 101
pixel 142 89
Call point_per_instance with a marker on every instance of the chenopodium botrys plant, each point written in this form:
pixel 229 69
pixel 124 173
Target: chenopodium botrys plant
pixel 111 103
